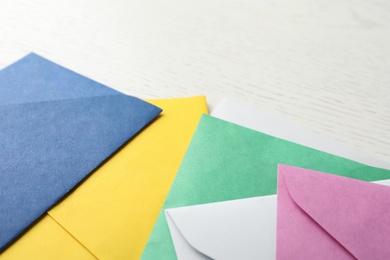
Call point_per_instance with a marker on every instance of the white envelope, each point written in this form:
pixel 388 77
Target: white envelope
pixel 236 229
pixel 242 114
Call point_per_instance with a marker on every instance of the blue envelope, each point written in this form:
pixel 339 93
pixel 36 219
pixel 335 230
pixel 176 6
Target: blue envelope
pixel 56 128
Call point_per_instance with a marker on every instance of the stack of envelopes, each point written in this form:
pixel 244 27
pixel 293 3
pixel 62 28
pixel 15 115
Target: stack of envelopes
pixel 222 203
pixel 87 172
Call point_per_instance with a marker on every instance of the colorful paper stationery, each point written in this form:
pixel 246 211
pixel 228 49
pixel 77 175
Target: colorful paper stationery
pixel 49 145
pixel 111 215
pixel 245 115
pixel 225 162
pixel 35 79
pixel 235 229
pixel 324 216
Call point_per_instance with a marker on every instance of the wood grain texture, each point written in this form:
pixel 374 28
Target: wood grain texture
pixel 324 64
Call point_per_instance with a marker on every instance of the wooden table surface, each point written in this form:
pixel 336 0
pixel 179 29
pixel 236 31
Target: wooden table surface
pixel 323 64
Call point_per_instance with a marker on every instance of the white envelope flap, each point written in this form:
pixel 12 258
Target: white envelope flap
pixel 237 229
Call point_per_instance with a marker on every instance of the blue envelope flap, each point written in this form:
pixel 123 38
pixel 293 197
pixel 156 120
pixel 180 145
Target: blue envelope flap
pixel 34 78
pixel 48 147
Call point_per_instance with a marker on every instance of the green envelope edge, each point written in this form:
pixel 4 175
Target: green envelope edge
pixel 226 161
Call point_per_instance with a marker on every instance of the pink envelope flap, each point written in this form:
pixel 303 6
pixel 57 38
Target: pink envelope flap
pixel 323 207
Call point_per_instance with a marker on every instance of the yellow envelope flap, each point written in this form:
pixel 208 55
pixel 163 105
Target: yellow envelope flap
pixel 111 215
pixel 47 240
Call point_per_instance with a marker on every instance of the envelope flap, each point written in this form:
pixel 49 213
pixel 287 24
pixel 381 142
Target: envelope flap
pixel 228 230
pixel 48 147
pixel 34 78
pixel 355 213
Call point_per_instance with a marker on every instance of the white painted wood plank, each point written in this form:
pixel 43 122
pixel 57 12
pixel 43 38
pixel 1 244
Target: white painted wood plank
pixel 323 64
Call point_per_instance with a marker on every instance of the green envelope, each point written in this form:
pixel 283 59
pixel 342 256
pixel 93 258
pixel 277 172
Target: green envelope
pixel 225 161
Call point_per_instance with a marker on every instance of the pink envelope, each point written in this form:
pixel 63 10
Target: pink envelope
pixel 325 216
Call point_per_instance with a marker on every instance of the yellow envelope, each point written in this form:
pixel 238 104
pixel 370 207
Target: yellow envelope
pixel 111 215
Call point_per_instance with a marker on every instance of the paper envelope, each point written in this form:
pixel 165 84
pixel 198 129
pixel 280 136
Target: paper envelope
pixel 234 229
pixel 324 216
pixel 111 215
pixel 245 115
pixel 52 136
pixel 226 162
pixel 246 228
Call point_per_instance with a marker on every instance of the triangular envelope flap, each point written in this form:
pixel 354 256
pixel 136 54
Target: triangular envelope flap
pixel 228 230
pixel 34 78
pixel 48 147
pixel 353 212
pixel 183 249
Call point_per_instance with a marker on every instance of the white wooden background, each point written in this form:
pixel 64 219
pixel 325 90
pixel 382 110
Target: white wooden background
pixel 324 64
